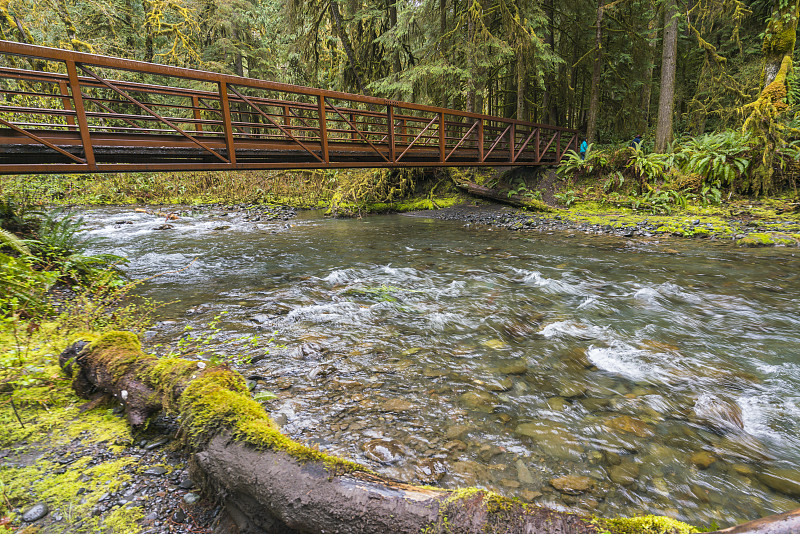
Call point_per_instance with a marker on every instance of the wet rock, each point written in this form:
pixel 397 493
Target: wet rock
pixel 431 470
pixel 593 404
pixel 186 483
pixel 191 498
pixel 495 344
pixel 456 431
pixel 700 493
pixel 155 471
pixel 577 356
pixel 470 472
pixel 519 367
pixel 718 413
pixel 384 451
pixel 743 447
pixel 510 483
pixel 572 484
pixel 555 440
pixel 179 516
pixel 558 404
pixel 480 401
pixel 35 512
pixel 571 390
pixel 626 423
pixel 397 405
pixel 499 385
pixel 702 459
pixel 786 481
pixel 529 495
pixel 164 227
pixel 524 474
pixel 625 473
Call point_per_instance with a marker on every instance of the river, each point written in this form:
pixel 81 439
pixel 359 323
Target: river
pixel 661 376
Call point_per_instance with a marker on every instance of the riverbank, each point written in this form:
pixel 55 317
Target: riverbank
pixel 746 223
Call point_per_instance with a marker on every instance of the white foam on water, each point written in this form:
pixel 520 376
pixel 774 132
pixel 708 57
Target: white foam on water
pixel 453 289
pixel 440 320
pixel 588 303
pixel 535 278
pixel 572 329
pixel 647 294
pixel 339 276
pixel 627 361
pixel 337 312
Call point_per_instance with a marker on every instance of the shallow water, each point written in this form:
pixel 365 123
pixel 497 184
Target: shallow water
pixel 442 353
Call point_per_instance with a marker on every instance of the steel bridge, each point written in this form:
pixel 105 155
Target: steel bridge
pixel 70 112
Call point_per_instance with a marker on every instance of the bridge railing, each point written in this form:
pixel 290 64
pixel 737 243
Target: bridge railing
pixel 65 111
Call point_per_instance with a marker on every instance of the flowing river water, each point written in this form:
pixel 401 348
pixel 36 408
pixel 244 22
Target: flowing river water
pixel 661 376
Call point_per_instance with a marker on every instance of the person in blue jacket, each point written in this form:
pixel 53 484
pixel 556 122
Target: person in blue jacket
pixel 636 141
pixel 584 145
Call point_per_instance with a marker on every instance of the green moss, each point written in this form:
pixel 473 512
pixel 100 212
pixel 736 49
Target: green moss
pixel 768 240
pixel 124 520
pixel 649 524
pixel 116 352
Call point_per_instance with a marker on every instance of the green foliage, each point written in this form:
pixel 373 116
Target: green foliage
pixel 646 167
pixel 720 158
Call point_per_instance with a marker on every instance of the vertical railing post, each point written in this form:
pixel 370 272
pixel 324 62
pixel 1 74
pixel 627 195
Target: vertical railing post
pixel 196 112
pixel 227 123
pixel 353 132
pixel 558 146
pixel 538 145
pixel 512 141
pixel 480 140
pixel 323 129
pixel 390 119
pixel 441 137
pixel 83 124
pixel 404 139
pixel 65 100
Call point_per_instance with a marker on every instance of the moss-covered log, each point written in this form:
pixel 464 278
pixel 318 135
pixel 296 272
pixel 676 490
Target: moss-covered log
pixel 270 483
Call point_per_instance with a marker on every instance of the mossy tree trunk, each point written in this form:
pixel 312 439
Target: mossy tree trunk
pixel 762 115
pixel 271 484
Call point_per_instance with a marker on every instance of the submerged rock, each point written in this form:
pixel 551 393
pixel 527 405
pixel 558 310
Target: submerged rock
pixel 625 473
pixel 786 481
pixel 480 401
pixel 629 424
pixel 572 484
pixel 384 451
pixel 718 413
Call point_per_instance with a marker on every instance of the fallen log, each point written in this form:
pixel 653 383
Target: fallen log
pixel 499 196
pixel 269 483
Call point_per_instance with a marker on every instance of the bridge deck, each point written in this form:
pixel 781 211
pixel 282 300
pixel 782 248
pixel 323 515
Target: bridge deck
pixel 65 112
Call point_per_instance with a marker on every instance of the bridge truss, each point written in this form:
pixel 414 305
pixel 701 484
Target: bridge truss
pixel 70 112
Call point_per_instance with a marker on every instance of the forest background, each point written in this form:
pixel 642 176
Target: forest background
pixel 611 69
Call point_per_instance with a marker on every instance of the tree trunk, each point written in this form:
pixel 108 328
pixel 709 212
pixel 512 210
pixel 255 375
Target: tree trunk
pixel 520 86
pixel 550 82
pixel 392 7
pixel 471 86
pixel 666 98
pixel 647 88
pixel 779 39
pixel 341 33
pixel 594 100
pixel 271 484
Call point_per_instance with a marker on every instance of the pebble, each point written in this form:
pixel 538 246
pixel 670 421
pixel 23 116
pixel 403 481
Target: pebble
pixel 35 512
pixel 155 471
pixel 191 498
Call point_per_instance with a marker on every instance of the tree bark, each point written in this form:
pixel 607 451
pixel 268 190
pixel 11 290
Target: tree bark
pixel 779 39
pixel 666 98
pixel 270 484
pixel 594 99
pixel 647 88
pixel 341 33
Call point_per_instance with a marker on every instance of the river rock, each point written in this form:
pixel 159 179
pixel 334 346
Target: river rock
pixel 35 512
pixel 786 481
pixel 480 401
pixel 625 473
pixel 430 470
pixel 384 451
pixel 571 389
pixel 718 413
pixel 555 440
pixel 434 372
pixel 397 405
pixel 500 385
pixel 524 474
pixel 629 424
pixel 456 431
pixel 558 404
pixel 495 344
pixel 702 459
pixel 572 484
pixel 519 367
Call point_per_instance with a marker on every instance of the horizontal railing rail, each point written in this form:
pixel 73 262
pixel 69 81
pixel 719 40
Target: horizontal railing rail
pixel 72 112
